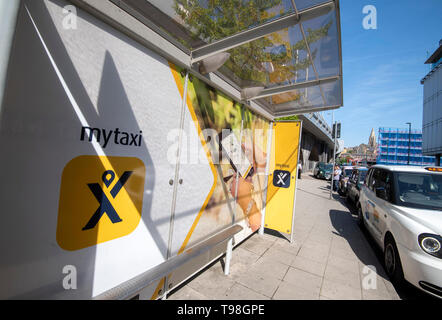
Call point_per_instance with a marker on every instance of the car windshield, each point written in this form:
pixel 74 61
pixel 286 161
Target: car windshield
pixel 362 175
pixel 347 172
pixel 325 166
pixel 419 190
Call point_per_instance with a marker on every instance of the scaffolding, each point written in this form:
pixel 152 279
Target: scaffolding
pixel 396 144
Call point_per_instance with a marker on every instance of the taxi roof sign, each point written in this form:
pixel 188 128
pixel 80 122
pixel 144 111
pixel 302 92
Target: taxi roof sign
pixel 434 169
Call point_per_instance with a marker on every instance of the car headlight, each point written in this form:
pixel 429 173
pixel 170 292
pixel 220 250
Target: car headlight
pixel 431 244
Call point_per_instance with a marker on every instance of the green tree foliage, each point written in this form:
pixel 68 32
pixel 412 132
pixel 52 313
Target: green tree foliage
pixel 288 118
pixel 212 20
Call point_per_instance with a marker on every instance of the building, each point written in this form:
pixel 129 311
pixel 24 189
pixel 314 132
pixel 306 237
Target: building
pixel 362 154
pixel 432 113
pixel 401 147
pixel 372 140
pixel 316 142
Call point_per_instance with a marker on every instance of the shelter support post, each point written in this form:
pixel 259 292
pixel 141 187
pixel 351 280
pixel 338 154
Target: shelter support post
pixel 264 198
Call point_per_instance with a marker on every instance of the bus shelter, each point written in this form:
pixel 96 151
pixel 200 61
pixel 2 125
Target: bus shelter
pixel 113 115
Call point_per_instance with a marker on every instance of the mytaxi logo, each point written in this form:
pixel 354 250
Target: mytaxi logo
pixel 101 199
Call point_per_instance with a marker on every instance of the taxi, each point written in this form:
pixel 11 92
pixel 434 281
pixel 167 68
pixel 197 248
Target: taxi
pixel 343 181
pixel 401 207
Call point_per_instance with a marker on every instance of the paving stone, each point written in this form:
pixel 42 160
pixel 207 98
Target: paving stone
pixel 302 228
pixel 288 291
pixel 303 279
pixel 256 246
pixel 342 276
pixel 394 296
pixel 316 246
pixel 378 268
pixel 237 270
pixel 286 246
pixel 240 292
pixel 212 284
pixel 187 293
pixel 322 229
pixel 346 253
pixel 380 291
pixel 308 265
pixel 265 285
pixel 340 243
pixel 313 255
pixel 338 291
pixel 322 240
pixel 268 267
pixel 244 256
pixel 344 263
pixel 279 256
pixel 374 295
pixel 267 237
pixel 391 289
pixel 370 279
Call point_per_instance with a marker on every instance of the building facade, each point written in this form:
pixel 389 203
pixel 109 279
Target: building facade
pixel 432 112
pixel 401 147
pixel 316 142
pixel 364 154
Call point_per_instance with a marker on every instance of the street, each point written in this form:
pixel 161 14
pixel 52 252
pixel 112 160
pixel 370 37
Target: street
pixel 327 260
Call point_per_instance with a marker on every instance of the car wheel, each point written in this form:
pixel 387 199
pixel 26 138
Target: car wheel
pixel 392 262
pixel 356 201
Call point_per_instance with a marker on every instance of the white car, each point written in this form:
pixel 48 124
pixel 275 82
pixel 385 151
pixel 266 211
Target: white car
pixel 401 207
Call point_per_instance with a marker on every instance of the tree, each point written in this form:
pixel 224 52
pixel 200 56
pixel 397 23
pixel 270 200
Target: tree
pixel 290 118
pixel 218 19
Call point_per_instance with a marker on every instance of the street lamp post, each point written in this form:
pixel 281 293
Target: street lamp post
pixel 335 126
pixel 409 141
pixel 331 181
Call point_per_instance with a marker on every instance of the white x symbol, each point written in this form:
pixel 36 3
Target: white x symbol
pixel 281 178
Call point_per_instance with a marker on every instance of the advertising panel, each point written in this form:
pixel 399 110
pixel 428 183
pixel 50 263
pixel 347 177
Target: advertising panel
pixel 215 125
pixel 90 126
pixel 83 139
pixel 283 175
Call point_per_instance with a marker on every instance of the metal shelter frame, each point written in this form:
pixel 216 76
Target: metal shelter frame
pixel 128 19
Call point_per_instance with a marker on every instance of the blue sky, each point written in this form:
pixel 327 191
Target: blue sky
pixel 382 68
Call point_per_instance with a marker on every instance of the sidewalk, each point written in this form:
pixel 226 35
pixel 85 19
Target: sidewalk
pixel 327 259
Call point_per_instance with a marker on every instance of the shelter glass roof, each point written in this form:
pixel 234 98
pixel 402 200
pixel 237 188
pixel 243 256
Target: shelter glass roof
pixel 302 44
pixel 206 21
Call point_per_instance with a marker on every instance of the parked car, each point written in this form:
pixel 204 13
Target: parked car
pixel 317 168
pixel 346 174
pixel 354 184
pixel 401 207
pixel 323 170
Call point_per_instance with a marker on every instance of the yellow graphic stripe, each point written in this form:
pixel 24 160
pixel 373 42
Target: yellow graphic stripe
pixel 248 170
pixel 157 290
pixel 179 84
